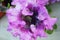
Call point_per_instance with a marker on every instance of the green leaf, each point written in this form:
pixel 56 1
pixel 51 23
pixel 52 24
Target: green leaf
pixel 8 5
pixel 55 27
pixel 1 0
pixel 49 31
pixel 49 9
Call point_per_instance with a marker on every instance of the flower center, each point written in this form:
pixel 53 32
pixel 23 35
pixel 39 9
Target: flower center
pixel 32 19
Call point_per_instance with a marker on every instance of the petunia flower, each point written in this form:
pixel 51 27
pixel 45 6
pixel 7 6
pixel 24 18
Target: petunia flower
pixel 29 19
